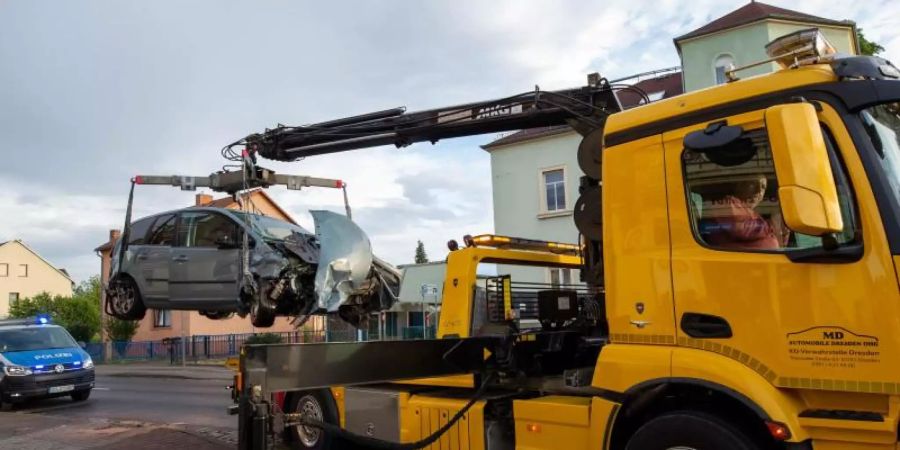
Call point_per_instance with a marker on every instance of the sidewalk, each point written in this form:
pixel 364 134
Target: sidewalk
pixel 39 432
pixel 155 369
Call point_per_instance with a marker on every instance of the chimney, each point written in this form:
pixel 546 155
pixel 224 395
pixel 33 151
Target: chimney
pixel 203 199
pixel 114 235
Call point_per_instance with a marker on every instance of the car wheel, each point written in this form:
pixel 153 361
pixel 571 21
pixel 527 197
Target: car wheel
pixel 317 405
pixel 127 303
pixel 260 315
pixel 80 396
pixel 689 430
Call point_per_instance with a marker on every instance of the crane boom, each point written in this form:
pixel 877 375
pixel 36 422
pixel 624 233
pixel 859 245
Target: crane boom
pixel 584 108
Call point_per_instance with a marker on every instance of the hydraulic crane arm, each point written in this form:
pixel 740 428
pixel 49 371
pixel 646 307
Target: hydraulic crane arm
pixel 584 108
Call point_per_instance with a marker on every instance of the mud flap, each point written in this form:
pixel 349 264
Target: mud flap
pixel 345 259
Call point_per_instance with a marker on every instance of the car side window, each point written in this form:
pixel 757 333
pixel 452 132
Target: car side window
pixel 163 231
pixel 206 229
pixel 138 233
pixel 732 195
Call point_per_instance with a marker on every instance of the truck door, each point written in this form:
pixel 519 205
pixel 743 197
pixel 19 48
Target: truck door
pixel 205 261
pixel 779 302
pixel 152 259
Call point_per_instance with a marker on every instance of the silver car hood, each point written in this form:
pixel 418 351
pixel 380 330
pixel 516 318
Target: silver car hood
pixel 345 259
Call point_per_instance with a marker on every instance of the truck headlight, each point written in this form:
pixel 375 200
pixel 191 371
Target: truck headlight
pixel 16 371
pixel 88 364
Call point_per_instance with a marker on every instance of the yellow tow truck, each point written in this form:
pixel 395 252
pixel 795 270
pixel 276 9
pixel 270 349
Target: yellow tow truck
pixel 740 282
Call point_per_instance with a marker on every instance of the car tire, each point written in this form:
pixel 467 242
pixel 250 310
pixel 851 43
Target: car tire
pixel 319 404
pixel 260 316
pixel 689 430
pixel 127 302
pixel 80 396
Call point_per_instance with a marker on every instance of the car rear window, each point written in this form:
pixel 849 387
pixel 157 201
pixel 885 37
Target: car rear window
pixel 163 231
pixel 139 231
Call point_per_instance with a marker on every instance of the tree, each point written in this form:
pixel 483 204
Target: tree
pixel 120 330
pixel 79 314
pixel 421 256
pixel 867 47
pixel 264 338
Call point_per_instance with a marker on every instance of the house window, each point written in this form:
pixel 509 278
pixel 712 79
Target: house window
pixel 560 277
pixel 554 190
pixel 13 298
pixel 162 318
pixel 4 270
pixel 723 64
pixel 23 270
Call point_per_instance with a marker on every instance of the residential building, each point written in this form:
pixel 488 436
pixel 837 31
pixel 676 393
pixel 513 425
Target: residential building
pixel 161 324
pixel 535 182
pixel 535 173
pixel 24 273
pixel 740 37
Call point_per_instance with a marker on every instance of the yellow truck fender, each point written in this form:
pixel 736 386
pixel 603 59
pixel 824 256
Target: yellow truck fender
pixel 631 374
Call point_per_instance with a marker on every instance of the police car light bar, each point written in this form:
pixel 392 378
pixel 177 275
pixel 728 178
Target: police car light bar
pixel 40 319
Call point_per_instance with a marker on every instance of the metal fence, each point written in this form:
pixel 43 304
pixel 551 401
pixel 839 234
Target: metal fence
pixel 197 348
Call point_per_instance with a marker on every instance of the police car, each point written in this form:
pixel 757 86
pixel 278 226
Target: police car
pixel 40 360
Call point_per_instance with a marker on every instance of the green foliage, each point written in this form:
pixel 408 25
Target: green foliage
pixel 79 314
pixel 421 256
pixel 120 330
pixel 264 338
pixel 867 47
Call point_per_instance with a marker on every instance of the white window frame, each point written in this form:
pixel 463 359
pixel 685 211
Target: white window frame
pixel 166 315
pixel 14 298
pixel 715 67
pixel 23 273
pixel 543 212
pixel 561 278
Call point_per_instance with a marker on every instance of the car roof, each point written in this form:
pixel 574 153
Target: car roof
pixel 23 326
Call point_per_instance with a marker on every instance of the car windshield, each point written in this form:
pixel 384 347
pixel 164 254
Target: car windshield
pixel 34 338
pixel 270 228
pixel 882 124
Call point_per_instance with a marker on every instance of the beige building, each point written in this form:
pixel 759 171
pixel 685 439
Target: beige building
pixel 161 324
pixel 24 273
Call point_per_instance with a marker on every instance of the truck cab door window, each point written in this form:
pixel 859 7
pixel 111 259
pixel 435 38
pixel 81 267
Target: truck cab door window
pixel 733 202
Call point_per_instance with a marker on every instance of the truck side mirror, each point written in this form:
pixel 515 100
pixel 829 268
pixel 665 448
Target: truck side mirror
pixel 806 186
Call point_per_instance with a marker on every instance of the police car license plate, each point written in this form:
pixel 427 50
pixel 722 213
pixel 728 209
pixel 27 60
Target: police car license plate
pixel 58 389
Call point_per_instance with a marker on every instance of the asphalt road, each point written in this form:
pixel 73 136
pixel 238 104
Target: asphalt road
pixel 168 400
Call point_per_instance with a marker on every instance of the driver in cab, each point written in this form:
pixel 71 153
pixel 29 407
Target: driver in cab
pixel 737 224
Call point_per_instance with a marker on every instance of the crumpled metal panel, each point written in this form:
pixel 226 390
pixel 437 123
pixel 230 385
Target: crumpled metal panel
pixel 345 259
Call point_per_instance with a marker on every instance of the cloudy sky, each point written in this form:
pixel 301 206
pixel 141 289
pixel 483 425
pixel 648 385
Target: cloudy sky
pixel 94 92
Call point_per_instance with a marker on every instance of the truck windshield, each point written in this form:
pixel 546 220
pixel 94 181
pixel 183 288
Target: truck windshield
pixel 268 227
pixel 34 338
pixel 882 124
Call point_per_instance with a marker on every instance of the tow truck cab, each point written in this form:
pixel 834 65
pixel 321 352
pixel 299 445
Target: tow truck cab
pixel 41 360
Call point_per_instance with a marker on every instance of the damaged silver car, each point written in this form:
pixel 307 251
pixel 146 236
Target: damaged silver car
pixel 221 262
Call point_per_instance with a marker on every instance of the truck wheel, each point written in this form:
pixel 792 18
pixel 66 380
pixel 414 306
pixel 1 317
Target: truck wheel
pixel 689 430
pixel 127 303
pixel 317 405
pixel 80 396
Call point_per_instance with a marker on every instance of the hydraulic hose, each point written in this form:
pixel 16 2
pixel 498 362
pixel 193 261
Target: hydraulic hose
pixel 379 444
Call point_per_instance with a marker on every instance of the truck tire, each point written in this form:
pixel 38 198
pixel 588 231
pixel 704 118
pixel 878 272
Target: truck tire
pixel 318 404
pixel 689 430
pixel 80 396
pixel 260 315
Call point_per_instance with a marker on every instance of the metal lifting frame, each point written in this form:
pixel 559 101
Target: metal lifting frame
pixel 585 109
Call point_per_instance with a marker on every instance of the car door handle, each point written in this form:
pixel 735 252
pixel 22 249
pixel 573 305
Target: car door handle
pixel 180 258
pixel 705 326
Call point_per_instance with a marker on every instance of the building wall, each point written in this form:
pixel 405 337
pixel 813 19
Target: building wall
pixel 40 276
pixel 747 44
pixel 517 184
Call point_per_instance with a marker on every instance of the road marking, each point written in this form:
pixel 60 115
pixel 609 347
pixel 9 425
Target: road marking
pixel 101 388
